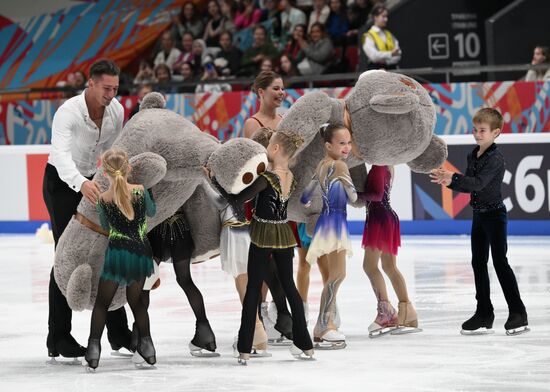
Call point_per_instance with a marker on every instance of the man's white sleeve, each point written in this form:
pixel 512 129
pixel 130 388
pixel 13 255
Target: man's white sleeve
pixel 61 155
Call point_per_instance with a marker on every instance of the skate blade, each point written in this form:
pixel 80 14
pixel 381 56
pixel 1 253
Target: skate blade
pixel 326 345
pixel 405 330
pixel 144 366
pixel 279 342
pixel 69 362
pixel 90 370
pixel 304 357
pixel 204 354
pixel 140 363
pixel 381 332
pixel 517 331
pixel 122 354
pixel 260 354
pixel 242 362
pixel 480 331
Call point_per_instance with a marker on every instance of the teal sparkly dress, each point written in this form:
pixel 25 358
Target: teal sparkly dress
pixel 128 257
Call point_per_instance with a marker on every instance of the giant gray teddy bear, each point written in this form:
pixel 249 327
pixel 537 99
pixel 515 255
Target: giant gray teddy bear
pixel 167 154
pixel 391 117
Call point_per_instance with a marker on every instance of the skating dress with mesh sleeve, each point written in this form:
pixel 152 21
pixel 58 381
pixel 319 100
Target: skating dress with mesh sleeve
pixel 171 239
pixel 128 257
pixel 234 237
pixel 382 230
pixel 331 231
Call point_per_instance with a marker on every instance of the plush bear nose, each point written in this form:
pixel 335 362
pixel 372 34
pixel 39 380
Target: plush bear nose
pixel 261 168
pixel 247 178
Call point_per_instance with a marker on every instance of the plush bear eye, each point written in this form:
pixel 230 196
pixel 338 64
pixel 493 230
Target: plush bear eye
pixel 261 168
pixel 248 178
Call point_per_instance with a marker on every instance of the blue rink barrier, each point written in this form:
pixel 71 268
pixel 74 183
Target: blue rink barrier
pixel 411 227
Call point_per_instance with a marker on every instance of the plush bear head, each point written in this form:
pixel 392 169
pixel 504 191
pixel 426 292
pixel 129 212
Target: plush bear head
pixel 238 164
pixel 393 118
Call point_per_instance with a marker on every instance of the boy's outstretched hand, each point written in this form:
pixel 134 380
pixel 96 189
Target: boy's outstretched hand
pixel 441 176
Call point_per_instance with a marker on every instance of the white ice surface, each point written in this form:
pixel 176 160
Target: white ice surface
pixel 440 282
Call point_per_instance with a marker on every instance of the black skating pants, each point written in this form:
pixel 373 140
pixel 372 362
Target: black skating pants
pixel 61 202
pixel 489 231
pixel 258 259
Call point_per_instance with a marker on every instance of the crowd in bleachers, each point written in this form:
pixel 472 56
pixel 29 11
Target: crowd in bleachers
pixel 239 38
pixel 228 39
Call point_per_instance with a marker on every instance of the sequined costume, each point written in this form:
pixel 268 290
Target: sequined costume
pixel 128 257
pixel 272 240
pixel 171 239
pixel 331 231
pixel 382 230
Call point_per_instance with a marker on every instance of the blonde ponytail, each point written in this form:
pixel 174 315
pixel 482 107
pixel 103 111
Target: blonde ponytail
pixel 115 164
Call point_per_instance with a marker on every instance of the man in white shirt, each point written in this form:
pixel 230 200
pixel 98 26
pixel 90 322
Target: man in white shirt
pixel 82 128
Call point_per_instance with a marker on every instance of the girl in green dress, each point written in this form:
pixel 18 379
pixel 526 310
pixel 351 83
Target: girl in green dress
pixel 128 259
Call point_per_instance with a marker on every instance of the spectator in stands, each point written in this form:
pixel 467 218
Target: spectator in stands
pixel 379 45
pixel 266 65
pixel 261 48
pixel 287 68
pixel 214 26
pixel 78 82
pixel 337 24
pixel 358 14
pixel 293 48
pixel 227 8
pixel 187 21
pixel 74 85
pixel 187 75
pixel 169 53
pixel 142 91
pixel 541 55
pixel 202 55
pixel 210 73
pixel 228 59
pixel 318 52
pixel 163 78
pixel 319 14
pixel 272 14
pixel 145 73
pixel 290 18
pixel 247 15
pixel 186 52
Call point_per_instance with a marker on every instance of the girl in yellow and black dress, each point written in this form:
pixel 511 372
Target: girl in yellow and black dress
pixel 272 240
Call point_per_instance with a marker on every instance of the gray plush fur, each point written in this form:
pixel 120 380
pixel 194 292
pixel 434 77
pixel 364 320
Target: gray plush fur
pixel 153 100
pixel 392 122
pixel 167 153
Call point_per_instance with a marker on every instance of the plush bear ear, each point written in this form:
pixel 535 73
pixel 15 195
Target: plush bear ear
pixel 433 157
pixel 394 103
pixel 153 100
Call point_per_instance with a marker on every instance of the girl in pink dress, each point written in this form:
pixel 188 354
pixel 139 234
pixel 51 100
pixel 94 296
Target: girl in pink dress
pixel 381 239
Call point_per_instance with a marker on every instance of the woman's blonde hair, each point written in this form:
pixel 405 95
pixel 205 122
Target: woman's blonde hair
pixel 115 165
pixel 289 141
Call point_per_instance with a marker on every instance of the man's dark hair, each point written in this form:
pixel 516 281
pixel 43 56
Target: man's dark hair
pixel 103 67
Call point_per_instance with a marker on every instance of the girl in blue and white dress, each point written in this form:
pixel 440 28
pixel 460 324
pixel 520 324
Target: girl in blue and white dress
pixel 331 237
